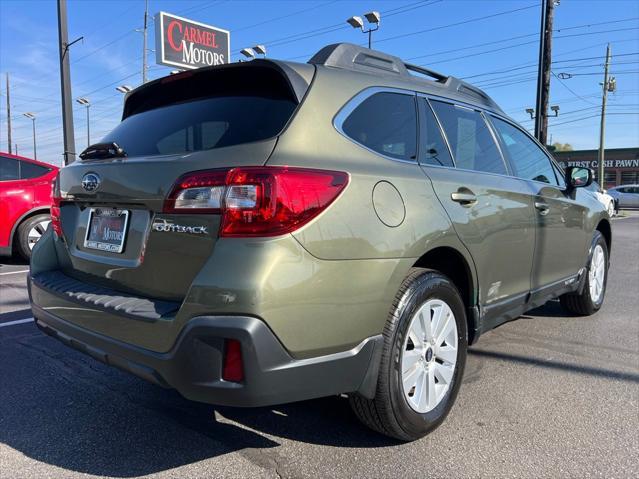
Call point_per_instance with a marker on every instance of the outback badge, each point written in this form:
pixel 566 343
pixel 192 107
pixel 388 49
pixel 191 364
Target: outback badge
pixel 165 226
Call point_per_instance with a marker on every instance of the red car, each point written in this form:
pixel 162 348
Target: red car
pixel 25 202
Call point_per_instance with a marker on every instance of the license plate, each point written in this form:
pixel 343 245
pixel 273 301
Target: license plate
pixel 106 230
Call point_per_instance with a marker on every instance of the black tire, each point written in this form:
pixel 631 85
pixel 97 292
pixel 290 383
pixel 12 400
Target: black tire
pixel 389 412
pixel 583 304
pixel 23 234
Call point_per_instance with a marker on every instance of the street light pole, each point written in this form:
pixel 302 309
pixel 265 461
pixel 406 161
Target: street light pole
pixel 35 151
pixel 85 101
pixel 144 34
pixel 65 83
pixel 32 117
pixel 9 117
pixel 88 127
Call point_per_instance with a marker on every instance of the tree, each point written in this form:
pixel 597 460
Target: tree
pixel 562 147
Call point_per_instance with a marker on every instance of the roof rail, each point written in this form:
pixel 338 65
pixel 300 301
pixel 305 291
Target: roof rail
pixel 354 57
pixel 426 71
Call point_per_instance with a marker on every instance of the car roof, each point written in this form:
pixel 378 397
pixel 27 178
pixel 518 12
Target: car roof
pixel 28 160
pixel 382 66
pixel 350 60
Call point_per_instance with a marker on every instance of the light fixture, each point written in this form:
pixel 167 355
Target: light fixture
pixel 373 18
pixel 29 115
pixel 531 112
pixel 248 52
pixel 83 101
pixel 555 109
pixel 124 88
pixel 356 22
pixel 260 49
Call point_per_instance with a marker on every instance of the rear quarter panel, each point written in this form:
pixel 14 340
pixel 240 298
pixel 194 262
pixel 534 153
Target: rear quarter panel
pixel 16 199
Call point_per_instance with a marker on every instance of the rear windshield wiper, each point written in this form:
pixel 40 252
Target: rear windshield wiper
pixel 103 150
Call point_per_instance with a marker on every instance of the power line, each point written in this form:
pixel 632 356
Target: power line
pixel 485 52
pixel 456 24
pixel 477 45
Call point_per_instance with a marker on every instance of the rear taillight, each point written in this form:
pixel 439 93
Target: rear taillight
pixel 257 201
pixel 55 207
pixel 233 369
pixel 197 192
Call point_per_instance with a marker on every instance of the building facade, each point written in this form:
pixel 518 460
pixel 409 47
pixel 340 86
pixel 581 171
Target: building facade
pixel 621 164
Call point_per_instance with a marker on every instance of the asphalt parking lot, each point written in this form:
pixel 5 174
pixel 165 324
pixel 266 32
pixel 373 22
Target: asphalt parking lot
pixel 548 395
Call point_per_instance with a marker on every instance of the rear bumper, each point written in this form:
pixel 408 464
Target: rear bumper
pixel 194 365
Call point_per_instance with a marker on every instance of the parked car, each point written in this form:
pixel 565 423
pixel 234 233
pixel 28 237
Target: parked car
pixel 25 201
pixel 602 195
pixel 626 196
pixel 268 231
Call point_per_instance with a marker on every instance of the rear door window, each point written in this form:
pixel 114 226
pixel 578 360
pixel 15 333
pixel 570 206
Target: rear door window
pixel 527 160
pixel 432 147
pixel 31 170
pixel 470 139
pixel 385 123
pixel 9 169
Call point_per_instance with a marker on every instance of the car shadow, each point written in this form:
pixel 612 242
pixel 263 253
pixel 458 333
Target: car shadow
pixel 15 260
pixel 60 407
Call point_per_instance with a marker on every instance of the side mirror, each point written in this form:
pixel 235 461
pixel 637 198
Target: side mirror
pixel 577 177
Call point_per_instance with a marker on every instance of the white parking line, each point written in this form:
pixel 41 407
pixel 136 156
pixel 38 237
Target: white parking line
pixel 13 323
pixel 15 272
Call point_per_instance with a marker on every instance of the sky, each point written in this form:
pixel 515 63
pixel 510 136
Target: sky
pixel 490 43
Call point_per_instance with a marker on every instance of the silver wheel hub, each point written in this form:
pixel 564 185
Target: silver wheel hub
pixel 36 232
pixel 429 355
pixel 597 274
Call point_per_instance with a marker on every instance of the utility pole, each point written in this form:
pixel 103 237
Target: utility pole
pixel 146 16
pixel 65 84
pixel 9 118
pixel 543 76
pixel 602 129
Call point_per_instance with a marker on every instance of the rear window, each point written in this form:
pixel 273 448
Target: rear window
pixel 204 112
pixel 30 170
pixel 385 123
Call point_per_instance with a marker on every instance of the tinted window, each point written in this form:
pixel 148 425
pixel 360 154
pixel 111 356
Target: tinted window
pixel 202 124
pixel 385 123
pixel 9 169
pixel 470 139
pixel 432 147
pixel 560 174
pixel 29 170
pixel 526 158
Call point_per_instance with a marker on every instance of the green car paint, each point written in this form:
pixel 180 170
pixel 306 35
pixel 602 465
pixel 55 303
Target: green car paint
pixel 327 287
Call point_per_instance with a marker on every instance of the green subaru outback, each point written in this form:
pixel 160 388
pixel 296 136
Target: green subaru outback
pixel 268 231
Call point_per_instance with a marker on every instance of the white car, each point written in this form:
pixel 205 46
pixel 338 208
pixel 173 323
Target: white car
pixel 605 199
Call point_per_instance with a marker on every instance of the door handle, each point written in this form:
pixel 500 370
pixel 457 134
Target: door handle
pixel 467 198
pixel 542 207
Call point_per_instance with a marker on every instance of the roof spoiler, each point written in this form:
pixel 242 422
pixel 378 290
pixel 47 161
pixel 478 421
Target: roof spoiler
pixel 297 75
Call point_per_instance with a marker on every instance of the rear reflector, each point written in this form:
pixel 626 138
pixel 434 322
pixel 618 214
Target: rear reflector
pixel 55 207
pixel 257 201
pixel 233 369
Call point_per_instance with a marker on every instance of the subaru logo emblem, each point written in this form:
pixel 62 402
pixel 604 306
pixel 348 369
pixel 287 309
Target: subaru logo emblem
pixel 90 182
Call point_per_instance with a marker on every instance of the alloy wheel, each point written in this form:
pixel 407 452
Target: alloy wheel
pixel 429 355
pixel 36 232
pixel 597 274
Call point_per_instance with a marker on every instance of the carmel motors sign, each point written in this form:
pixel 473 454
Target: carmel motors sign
pixel 187 44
